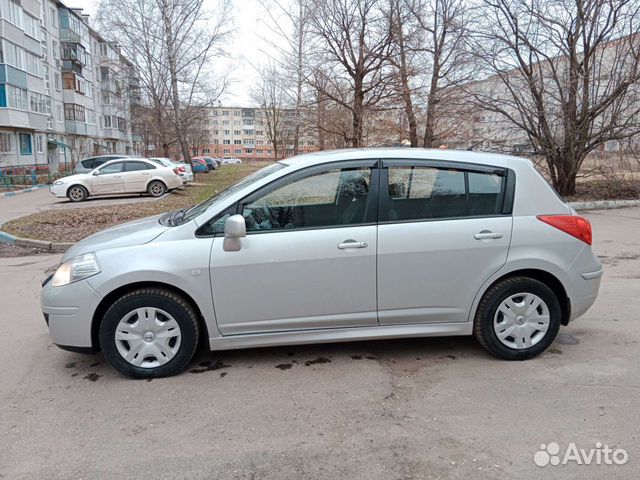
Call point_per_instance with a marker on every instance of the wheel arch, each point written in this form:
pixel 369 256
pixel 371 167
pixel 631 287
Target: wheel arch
pixel 549 279
pixel 156 179
pixel 108 300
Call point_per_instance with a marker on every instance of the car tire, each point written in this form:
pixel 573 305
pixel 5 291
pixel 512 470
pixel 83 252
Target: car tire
pixel 77 193
pixel 150 353
pixel 517 318
pixel 156 188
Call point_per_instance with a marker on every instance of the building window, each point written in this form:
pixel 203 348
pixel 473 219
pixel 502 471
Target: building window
pixel 249 151
pixel 31 26
pixel 226 151
pixel 25 144
pixel 226 132
pixel 53 15
pixel 16 98
pixel 205 150
pixel 6 142
pixel 56 81
pixel 226 141
pixel 13 55
pixel 238 151
pixel 74 112
pixel 33 64
pixel 237 132
pixel 237 142
pixel 13 13
pixel 40 143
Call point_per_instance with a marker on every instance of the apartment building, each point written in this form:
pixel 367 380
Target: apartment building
pixel 65 92
pixel 242 133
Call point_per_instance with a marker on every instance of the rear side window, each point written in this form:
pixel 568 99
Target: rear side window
pixel 137 166
pixel 423 193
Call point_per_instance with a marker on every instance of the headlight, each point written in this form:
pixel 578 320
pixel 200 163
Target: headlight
pixel 58 182
pixel 75 269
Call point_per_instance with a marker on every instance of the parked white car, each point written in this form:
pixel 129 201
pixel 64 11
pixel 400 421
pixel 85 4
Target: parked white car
pixel 230 161
pixel 184 169
pixel 130 175
pixel 357 244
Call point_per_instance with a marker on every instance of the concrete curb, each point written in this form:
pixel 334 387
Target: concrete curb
pixel 26 190
pixel 604 204
pixel 39 244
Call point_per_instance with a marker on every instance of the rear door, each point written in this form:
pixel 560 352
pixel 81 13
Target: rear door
pixel 136 175
pixel 108 179
pixel 443 231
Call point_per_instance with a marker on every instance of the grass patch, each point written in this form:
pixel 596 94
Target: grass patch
pixel 74 224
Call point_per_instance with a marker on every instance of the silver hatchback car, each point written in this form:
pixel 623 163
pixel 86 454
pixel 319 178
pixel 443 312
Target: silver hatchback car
pixel 334 246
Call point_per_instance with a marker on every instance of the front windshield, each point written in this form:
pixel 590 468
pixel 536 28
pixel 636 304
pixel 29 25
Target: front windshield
pixel 199 209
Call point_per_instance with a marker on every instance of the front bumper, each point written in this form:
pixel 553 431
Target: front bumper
pixel 59 191
pixel 69 312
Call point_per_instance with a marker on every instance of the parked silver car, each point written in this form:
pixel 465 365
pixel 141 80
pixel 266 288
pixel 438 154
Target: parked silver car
pixel 334 246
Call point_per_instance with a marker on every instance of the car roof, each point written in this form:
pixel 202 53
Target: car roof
pixel 128 159
pixel 446 155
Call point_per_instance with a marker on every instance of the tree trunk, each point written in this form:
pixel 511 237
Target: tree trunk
pixel 404 85
pixel 175 94
pixel 430 123
pixel 358 128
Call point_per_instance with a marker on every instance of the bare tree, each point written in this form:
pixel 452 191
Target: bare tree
pixel 174 44
pixel 565 73
pixel 289 24
pixel 270 96
pixel 352 45
pixel 445 57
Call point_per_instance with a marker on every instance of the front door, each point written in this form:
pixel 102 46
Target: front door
pixel 443 233
pixel 108 179
pixel 309 258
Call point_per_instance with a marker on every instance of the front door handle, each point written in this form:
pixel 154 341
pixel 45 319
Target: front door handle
pixel 485 234
pixel 352 244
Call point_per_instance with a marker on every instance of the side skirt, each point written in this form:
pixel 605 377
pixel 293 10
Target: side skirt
pixel 302 337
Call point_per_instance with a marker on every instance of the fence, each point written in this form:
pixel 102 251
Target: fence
pixel 16 177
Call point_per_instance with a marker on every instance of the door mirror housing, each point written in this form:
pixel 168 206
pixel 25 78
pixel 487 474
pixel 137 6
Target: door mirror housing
pixel 96 172
pixel 235 228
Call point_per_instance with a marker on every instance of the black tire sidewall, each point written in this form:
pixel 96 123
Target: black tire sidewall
pixel 497 296
pixel 185 318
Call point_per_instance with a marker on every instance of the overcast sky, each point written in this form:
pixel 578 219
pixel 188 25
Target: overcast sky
pixel 244 48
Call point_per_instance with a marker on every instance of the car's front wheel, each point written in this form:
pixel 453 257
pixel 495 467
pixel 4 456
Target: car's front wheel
pixel 149 332
pixel 77 193
pixel 156 188
pixel 517 318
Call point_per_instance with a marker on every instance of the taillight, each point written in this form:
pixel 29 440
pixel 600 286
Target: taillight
pixel 574 225
pixel 181 169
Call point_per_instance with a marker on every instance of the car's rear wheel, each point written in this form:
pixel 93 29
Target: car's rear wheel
pixel 149 332
pixel 156 188
pixel 77 193
pixel 518 318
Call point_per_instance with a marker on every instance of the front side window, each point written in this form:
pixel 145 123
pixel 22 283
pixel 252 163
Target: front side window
pixel 112 168
pixel 332 198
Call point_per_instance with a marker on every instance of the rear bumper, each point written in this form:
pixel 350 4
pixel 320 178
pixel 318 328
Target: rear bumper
pixel 583 282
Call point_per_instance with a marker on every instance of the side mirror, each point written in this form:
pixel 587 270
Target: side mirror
pixel 96 172
pixel 235 228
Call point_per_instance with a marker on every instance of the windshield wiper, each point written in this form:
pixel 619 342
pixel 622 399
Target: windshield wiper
pixel 176 216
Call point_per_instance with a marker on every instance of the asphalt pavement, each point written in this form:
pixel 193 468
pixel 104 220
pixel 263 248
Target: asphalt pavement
pixel 395 409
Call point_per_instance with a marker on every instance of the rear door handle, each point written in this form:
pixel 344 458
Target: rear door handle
pixel 485 234
pixel 352 244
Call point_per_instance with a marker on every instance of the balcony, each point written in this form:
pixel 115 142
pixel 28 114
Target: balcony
pixel 109 85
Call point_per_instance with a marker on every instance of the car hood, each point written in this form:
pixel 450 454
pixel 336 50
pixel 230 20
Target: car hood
pixel 73 178
pixel 128 234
